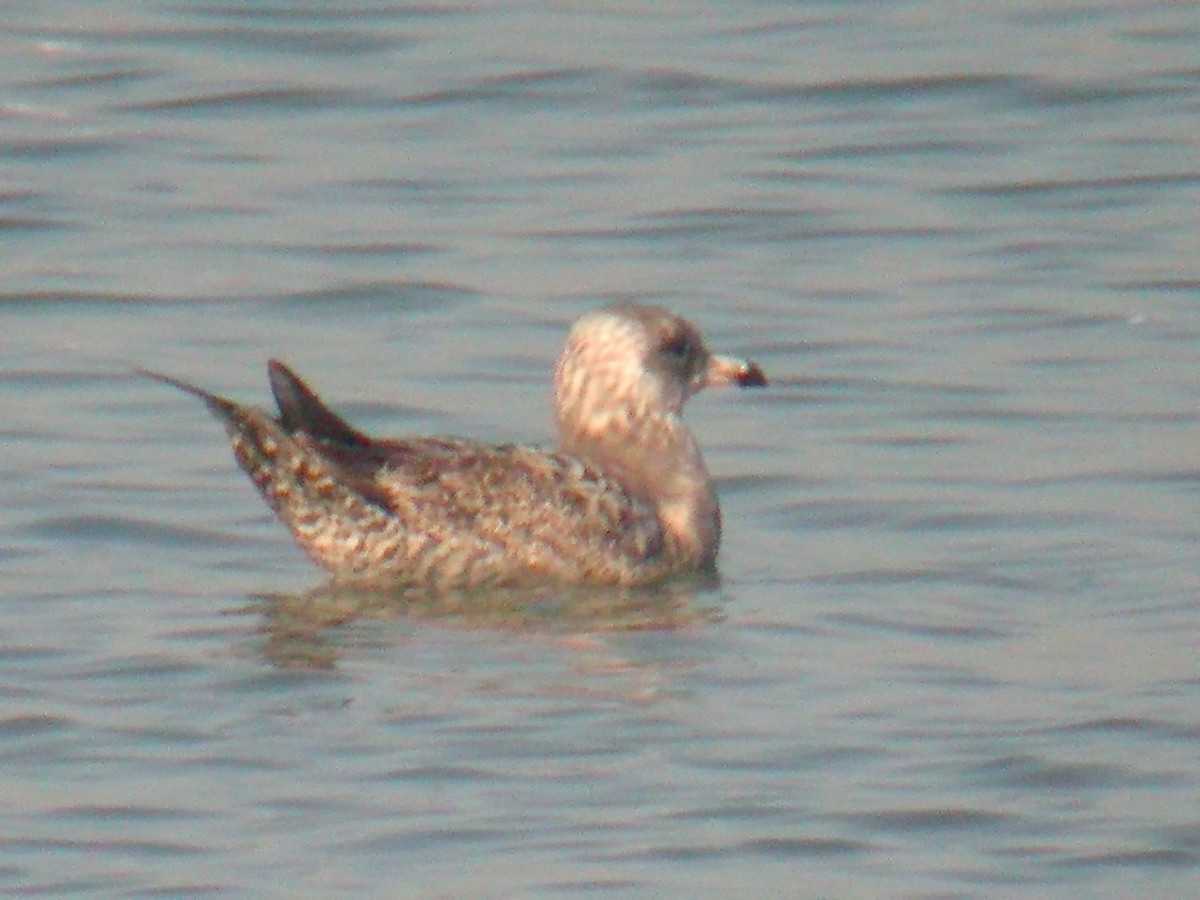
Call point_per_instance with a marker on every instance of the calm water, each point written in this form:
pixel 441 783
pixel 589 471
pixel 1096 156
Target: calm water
pixel 956 647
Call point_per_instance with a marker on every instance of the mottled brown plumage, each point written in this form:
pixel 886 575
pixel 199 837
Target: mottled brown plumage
pixel 626 499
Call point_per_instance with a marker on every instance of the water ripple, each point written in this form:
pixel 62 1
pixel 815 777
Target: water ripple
pixel 951 651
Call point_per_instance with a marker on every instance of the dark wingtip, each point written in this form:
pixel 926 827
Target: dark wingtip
pixel 751 376
pixel 292 395
pixel 300 409
pixel 280 374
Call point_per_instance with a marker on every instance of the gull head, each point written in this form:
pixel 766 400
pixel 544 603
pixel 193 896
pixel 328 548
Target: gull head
pixel 631 365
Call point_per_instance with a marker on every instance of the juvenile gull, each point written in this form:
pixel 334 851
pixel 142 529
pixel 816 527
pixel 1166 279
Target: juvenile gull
pixel 625 499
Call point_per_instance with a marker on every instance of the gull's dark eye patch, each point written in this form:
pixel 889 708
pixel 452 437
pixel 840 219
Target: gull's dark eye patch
pixel 676 345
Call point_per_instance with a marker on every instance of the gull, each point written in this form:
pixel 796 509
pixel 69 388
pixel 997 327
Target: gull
pixel 624 499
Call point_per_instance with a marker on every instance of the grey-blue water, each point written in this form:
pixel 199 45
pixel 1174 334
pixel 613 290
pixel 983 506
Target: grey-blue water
pixel 955 651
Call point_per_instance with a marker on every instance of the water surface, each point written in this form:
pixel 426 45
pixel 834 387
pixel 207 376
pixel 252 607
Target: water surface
pixel 954 647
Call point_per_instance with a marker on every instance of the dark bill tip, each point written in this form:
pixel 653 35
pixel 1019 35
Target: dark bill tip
pixel 751 376
pixel 731 370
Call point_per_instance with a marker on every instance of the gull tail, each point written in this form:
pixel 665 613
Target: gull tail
pixel 325 505
pixel 258 440
pixel 224 409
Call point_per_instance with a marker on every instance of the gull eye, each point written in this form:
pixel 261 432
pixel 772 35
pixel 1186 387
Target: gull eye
pixel 676 346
